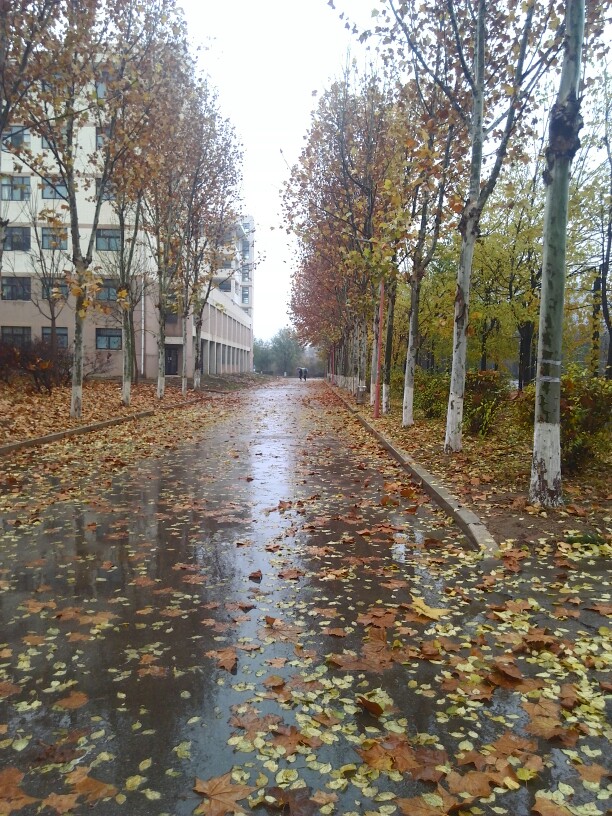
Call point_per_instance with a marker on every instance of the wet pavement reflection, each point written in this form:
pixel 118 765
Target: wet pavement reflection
pixel 257 600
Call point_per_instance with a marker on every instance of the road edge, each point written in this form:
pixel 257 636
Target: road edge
pixel 477 533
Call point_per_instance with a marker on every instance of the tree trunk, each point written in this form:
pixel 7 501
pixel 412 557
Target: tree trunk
pixel 595 331
pixel 411 352
pixel 469 229
pixel 197 366
pixel 128 358
pixel 525 369
pixel 375 346
pixel 386 401
pixel 184 323
pixel 76 399
pixel 161 360
pixel 563 141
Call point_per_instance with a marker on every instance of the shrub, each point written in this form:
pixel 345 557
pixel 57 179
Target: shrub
pixel 486 393
pixel 9 361
pixel 47 367
pixel 586 404
pixel 431 393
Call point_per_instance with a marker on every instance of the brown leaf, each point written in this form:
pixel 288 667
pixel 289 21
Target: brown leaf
pixel 222 795
pixel 76 699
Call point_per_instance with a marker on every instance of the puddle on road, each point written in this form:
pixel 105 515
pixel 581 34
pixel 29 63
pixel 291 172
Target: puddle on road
pixel 227 606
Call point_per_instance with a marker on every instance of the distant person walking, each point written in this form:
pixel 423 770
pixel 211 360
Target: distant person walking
pixel 304 373
pixel 300 373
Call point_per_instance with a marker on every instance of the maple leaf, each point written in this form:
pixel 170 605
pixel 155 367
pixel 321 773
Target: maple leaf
pixel 292 802
pixel 475 783
pixel 438 803
pixel 61 804
pixel 11 795
pixel 92 789
pixel 76 699
pixel 375 755
pixel 546 807
pixel 222 794
pixel 226 658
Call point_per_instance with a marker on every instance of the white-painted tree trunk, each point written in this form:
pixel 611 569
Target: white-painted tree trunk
pixel 454 415
pixel 563 142
pixel 386 399
pixel 161 366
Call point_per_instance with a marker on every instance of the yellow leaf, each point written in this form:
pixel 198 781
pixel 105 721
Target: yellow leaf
pixel 419 606
pixel 134 782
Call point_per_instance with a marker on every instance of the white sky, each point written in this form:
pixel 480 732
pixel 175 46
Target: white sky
pixel 266 57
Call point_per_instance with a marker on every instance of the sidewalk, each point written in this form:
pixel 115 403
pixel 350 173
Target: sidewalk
pixel 266 614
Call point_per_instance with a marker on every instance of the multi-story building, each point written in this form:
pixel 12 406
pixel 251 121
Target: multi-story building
pixel 36 253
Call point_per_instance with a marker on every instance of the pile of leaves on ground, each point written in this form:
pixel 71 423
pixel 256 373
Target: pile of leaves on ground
pixel 26 412
pixel 491 476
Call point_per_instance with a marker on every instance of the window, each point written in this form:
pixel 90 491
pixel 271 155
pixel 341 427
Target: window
pixel 225 286
pixel 108 194
pixel 246 275
pixel 246 247
pixel 245 294
pixel 15 137
pixel 107 240
pixel 227 264
pixel 18 336
pixel 61 336
pixel 15 188
pixel 108 290
pixel 17 239
pixel 52 238
pixel 108 339
pixel 55 138
pixel 102 136
pixel 54 189
pixel 52 290
pixel 16 288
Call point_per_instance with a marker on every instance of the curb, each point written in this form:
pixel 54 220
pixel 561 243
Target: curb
pixel 476 532
pixel 37 441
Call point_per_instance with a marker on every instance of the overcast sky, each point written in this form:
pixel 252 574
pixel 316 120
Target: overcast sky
pixel 266 57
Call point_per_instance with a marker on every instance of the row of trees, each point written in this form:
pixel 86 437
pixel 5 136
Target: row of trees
pixel 438 162
pixel 164 158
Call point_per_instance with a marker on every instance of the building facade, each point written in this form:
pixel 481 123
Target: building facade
pixel 36 256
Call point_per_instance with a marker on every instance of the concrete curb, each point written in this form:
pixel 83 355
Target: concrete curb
pixel 37 441
pixel 466 520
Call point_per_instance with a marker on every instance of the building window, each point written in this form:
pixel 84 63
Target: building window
pixel 225 285
pixel 15 188
pixel 107 240
pixel 18 336
pixel 108 194
pixel 52 238
pixel 53 290
pixel 246 248
pixel 108 290
pixel 16 288
pixel 17 239
pixel 15 137
pixel 61 336
pixel 54 189
pixel 245 294
pixel 246 274
pixel 108 339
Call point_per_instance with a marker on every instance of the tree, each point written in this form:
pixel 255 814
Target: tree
pixel 286 350
pixel 262 355
pixel 25 33
pixel 563 142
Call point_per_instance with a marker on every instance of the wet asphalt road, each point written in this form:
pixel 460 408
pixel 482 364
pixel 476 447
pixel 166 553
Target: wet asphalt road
pixel 221 607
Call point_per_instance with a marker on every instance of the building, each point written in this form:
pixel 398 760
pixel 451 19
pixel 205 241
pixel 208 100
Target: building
pixel 36 254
